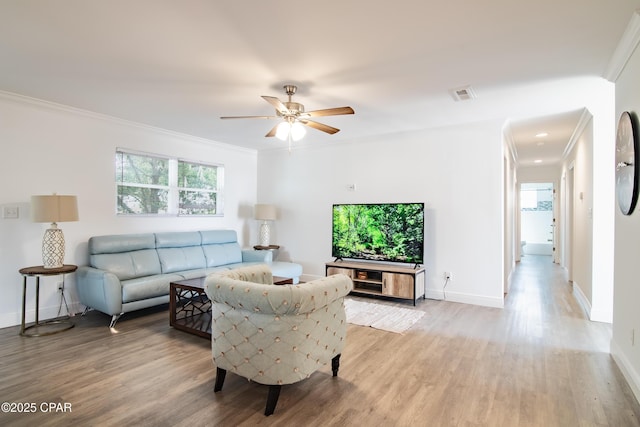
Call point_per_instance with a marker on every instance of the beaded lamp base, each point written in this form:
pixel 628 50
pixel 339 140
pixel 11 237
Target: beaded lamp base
pixel 265 234
pixel 53 248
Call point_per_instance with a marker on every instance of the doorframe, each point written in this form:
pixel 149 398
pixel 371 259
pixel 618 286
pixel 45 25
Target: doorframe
pixel 569 200
pixel 554 214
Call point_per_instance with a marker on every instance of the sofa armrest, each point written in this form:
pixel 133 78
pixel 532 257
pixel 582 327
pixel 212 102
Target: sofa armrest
pixel 254 255
pixel 99 290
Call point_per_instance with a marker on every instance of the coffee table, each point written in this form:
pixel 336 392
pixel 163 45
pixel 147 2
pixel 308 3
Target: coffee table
pixel 190 307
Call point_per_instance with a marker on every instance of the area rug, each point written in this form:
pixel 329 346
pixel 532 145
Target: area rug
pixel 380 316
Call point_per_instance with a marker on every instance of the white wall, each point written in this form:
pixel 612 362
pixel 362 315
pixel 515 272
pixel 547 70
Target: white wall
pixel 456 171
pixel 626 317
pixel 49 148
pixel 511 241
pixel 581 160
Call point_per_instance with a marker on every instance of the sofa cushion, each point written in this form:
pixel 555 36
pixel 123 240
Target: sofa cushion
pixel 180 251
pixel 222 254
pixel 200 272
pixel 112 244
pixel 178 239
pixel 127 256
pixel 178 259
pixel 128 265
pixel 213 237
pixel 147 287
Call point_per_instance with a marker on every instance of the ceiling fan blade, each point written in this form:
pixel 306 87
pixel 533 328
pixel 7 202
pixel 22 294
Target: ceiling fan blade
pixel 320 126
pixel 250 117
pixel 272 132
pixel 329 112
pixel 277 104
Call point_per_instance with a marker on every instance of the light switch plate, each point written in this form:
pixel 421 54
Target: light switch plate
pixel 10 212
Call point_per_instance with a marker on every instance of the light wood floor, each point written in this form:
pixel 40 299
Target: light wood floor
pixel 537 362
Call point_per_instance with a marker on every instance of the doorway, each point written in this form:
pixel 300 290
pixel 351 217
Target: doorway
pixel 537 219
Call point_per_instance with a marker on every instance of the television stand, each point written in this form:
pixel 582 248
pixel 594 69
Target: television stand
pixel 382 280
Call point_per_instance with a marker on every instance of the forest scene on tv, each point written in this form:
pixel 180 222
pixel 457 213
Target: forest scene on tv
pixel 380 232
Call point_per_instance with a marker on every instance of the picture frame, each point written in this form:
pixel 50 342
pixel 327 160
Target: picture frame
pixel 627 162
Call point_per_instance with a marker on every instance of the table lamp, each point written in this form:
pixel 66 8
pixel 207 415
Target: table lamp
pixel 53 209
pixel 265 213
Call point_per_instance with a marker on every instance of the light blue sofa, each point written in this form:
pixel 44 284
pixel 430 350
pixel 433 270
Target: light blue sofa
pixel 129 272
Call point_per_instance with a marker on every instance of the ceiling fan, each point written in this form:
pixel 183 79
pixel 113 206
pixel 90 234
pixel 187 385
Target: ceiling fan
pixel 294 117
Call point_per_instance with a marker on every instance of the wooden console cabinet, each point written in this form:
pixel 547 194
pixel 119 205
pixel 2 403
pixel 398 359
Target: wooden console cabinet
pixel 382 280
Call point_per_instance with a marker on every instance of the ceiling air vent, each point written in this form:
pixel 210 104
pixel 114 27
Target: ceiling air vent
pixel 463 93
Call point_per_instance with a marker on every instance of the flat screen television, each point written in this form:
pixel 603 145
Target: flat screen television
pixel 391 232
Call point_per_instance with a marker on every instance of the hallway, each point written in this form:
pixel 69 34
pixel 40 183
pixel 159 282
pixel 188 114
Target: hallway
pixel 568 354
pixel 540 286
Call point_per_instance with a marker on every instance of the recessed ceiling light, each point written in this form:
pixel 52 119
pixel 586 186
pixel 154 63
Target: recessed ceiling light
pixel 541 134
pixel 537 161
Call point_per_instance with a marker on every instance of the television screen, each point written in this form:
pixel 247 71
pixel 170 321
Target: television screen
pixel 379 232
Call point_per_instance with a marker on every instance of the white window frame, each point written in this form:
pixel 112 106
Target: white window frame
pixel 173 190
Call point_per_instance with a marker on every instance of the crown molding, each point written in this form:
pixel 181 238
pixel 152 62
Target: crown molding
pixel 41 103
pixel 626 47
pixel 510 143
pixel 584 120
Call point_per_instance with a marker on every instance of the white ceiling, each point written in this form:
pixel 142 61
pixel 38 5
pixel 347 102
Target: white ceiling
pixel 542 140
pixel 180 65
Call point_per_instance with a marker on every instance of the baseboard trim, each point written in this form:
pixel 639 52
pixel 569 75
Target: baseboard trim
pixel 440 295
pixel 582 299
pixel 8 320
pixel 590 312
pixel 465 298
pixel 627 369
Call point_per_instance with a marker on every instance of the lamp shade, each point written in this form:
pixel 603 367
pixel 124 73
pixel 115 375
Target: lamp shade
pixel 54 208
pixel 265 212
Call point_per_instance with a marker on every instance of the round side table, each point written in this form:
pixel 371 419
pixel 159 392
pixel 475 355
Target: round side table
pixel 273 248
pixel 48 327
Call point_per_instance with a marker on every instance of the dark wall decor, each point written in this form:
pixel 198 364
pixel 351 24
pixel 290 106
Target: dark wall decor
pixel 627 162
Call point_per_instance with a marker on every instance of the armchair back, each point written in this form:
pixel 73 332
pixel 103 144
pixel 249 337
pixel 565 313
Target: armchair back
pixel 275 334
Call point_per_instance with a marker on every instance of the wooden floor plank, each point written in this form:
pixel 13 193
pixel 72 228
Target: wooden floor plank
pixel 537 362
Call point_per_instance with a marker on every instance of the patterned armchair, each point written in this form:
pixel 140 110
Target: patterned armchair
pixel 275 334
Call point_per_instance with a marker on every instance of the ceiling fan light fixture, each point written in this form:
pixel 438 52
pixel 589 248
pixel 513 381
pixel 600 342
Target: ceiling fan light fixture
pixel 282 132
pixel 294 117
pixel 297 131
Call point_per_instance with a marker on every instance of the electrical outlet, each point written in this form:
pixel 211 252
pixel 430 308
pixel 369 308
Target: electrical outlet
pixel 448 275
pixel 60 286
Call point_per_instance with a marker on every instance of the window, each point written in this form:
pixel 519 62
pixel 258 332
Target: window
pixel 155 185
pixel 536 197
pixel 198 188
